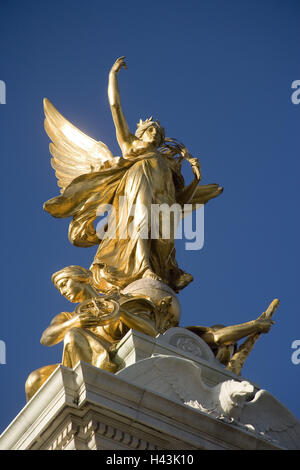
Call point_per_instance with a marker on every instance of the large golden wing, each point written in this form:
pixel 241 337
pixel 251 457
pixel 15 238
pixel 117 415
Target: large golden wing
pixel 74 153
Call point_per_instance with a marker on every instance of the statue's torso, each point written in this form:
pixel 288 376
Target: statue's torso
pixel 155 169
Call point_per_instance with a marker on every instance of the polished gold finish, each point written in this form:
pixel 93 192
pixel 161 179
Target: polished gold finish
pixel 37 378
pixel 148 173
pixel 105 311
pixel 237 361
pixel 97 323
pixel 86 336
pixel 223 340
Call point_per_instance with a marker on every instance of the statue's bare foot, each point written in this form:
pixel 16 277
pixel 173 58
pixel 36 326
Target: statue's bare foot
pixel 151 275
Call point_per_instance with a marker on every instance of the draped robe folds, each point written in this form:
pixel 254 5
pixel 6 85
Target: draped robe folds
pixel 126 184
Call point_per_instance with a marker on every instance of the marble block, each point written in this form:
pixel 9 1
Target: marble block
pixel 170 393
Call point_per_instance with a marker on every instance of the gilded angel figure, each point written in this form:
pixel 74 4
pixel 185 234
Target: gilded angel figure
pixel 148 173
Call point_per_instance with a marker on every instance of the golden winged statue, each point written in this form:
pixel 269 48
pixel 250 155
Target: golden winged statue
pixel 134 277
pixel 147 174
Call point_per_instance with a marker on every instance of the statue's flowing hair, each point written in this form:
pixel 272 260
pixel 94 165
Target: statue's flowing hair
pixel 77 273
pixel 172 147
pixel 169 147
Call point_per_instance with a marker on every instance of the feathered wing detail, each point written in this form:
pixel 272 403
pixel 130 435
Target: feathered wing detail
pixel 271 418
pixel 184 377
pixel 223 401
pixel 177 378
pixel 73 152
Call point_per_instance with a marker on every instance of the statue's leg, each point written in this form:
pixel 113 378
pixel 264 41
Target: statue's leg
pixel 82 345
pixel 37 378
pixel 76 348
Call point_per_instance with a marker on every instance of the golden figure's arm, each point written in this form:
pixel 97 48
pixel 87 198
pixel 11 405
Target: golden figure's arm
pixel 231 334
pixel 59 326
pixel 138 323
pixel 124 136
pixel 56 330
pixel 186 194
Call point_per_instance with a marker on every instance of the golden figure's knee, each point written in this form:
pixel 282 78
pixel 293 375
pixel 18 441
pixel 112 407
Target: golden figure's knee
pixel 36 379
pixel 33 383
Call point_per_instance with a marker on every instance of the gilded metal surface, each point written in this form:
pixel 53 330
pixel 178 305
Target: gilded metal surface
pixel 223 340
pixel 85 335
pixel 97 324
pixel 148 174
pixel 264 323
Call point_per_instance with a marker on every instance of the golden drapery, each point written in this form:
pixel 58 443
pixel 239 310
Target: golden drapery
pixel 137 182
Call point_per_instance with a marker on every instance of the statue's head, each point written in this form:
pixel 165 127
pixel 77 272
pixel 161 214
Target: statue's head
pixel 150 131
pixel 74 283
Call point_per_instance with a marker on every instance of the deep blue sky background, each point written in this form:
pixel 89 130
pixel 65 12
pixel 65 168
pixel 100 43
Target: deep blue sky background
pixel 218 75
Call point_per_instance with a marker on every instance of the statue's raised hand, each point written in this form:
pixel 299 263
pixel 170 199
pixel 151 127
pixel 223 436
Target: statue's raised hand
pixel 196 168
pixel 119 63
pixel 194 162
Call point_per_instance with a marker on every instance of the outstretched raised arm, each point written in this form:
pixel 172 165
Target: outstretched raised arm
pixel 124 136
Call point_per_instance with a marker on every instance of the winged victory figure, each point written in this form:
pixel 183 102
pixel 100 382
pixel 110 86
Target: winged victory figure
pixel 147 174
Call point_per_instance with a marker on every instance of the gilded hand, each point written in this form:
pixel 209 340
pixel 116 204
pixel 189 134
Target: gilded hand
pixel 85 320
pixel 119 63
pixel 194 162
pixel 196 168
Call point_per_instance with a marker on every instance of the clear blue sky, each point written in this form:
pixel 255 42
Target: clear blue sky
pixel 218 76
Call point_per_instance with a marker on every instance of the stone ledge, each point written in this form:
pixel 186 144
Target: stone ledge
pixel 88 408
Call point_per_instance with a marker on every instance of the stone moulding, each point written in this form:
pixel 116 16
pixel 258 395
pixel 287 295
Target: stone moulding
pixel 88 408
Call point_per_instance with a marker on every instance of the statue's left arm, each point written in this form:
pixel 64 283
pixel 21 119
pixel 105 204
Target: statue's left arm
pixel 194 193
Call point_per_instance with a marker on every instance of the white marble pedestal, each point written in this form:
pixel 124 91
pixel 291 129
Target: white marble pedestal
pixel 143 406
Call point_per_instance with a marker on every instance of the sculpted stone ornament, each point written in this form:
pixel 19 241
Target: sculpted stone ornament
pixel 232 401
pixel 181 380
